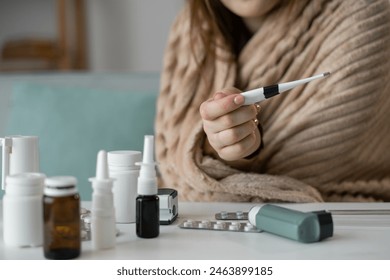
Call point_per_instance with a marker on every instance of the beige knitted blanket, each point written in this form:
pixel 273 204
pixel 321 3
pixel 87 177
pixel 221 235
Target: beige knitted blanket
pixel 326 141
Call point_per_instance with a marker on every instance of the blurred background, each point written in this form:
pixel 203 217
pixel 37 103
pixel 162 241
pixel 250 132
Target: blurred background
pixel 90 35
pixel 77 73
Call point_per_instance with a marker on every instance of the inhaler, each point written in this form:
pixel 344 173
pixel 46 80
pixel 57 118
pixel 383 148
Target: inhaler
pixel 306 227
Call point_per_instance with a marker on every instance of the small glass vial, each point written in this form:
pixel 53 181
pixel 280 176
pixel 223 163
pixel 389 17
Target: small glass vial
pixel 61 212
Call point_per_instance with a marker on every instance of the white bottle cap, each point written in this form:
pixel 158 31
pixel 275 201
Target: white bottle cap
pixel 60 186
pixel 25 183
pixel 124 158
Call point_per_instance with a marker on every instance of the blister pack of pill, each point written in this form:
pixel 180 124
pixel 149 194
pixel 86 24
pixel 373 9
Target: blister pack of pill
pixel 238 215
pixel 219 225
pixel 85 222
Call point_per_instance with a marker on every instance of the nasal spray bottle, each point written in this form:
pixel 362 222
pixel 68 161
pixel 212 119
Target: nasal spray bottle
pixel 147 202
pixel 103 230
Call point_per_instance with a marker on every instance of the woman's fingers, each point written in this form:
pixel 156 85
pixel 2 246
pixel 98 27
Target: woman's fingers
pixel 241 149
pixel 231 128
pixel 233 135
pixel 232 119
pixel 215 108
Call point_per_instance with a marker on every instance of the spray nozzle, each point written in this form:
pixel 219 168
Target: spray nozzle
pixel 147 180
pixel 102 166
pixel 6 150
pixel 148 164
pixel 148 157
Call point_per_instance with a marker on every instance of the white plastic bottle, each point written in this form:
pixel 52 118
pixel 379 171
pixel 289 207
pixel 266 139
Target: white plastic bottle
pixel 122 168
pixel 103 229
pixel 22 210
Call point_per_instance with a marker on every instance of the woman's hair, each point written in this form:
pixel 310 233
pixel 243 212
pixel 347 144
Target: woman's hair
pixel 220 22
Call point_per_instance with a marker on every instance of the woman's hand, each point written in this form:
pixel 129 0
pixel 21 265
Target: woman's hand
pixel 231 128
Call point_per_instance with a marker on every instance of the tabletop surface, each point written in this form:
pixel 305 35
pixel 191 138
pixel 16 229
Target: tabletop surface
pixel 360 236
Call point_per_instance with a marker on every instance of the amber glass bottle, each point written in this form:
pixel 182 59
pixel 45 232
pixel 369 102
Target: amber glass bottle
pixel 61 211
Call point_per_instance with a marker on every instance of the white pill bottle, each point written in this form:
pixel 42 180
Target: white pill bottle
pixel 22 210
pixel 122 168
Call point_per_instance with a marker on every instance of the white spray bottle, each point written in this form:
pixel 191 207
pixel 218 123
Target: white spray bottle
pixel 147 202
pixel 103 229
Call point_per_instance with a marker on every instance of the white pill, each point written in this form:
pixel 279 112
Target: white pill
pixel 203 225
pixel 221 223
pixel 249 227
pixel 224 214
pixel 87 220
pixel 84 234
pixel 219 226
pixel 188 223
pixel 234 227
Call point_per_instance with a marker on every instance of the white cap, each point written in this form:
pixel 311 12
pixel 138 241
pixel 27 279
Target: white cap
pixel 31 179
pixel 253 213
pixel 60 186
pixel 123 158
pixel 25 183
pixel 147 180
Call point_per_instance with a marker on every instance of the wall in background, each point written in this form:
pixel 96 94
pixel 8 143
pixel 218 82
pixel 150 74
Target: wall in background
pixel 122 35
pixel 130 35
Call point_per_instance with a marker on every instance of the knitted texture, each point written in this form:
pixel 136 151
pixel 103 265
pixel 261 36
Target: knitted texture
pixel 328 140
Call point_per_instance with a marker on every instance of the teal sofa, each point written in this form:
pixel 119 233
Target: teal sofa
pixel 77 114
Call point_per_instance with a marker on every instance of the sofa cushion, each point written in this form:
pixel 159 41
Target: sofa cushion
pixel 74 122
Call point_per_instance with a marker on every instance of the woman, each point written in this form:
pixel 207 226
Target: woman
pixel 326 141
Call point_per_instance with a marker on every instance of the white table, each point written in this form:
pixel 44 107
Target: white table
pixel 355 237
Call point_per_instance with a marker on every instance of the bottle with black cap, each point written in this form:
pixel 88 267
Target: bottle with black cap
pixel 147 202
pixel 306 227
